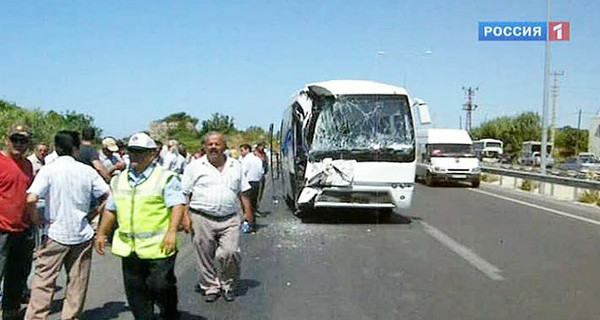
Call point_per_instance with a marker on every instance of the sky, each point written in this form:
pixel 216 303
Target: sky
pixel 127 63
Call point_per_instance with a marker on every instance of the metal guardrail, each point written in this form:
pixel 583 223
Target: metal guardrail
pixel 571 182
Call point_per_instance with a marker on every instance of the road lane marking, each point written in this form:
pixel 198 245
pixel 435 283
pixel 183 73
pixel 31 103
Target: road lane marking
pixel 490 270
pixel 557 212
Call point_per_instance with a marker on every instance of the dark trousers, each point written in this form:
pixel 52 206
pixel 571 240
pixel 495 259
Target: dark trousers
pixel 148 282
pixel 253 194
pixel 16 253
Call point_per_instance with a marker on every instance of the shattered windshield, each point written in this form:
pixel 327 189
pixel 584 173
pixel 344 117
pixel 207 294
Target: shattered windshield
pixel 451 150
pixel 365 124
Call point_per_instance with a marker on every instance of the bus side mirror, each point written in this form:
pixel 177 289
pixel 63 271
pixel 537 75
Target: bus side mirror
pixel 423 110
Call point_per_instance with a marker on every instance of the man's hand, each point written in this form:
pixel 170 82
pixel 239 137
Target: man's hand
pixel 120 165
pixel 100 243
pixel 169 244
pixel 186 222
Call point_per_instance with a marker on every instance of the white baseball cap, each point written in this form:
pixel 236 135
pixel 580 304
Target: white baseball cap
pixel 110 144
pixel 141 140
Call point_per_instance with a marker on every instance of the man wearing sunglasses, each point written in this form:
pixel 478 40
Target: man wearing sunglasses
pixel 148 203
pixel 16 238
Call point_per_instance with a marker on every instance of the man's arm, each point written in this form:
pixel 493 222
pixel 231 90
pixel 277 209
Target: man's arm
pixel 169 244
pixel 101 169
pixel 99 208
pixel 106 223
pixel 117 167
pixel 247 207
pixel 32 210
pixel 175 200
pixel 186 220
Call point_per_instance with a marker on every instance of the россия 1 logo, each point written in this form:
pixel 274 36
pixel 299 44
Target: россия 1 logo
pixel 524 31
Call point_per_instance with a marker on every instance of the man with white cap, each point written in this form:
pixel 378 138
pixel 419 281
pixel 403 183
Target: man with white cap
pixel 148 203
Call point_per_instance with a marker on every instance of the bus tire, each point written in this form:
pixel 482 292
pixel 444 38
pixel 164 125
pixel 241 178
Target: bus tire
pixel 303 211
pixel 475 183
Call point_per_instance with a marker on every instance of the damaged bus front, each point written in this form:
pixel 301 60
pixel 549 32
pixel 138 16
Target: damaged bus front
pixel 350 144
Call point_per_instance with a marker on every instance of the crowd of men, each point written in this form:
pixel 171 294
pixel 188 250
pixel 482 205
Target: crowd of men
pixel 59 206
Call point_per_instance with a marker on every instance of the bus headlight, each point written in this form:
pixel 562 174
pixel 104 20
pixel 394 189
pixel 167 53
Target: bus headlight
pixel 476 170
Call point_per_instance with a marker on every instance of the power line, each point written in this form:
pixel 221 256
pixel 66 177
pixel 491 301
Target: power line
pixel 469 106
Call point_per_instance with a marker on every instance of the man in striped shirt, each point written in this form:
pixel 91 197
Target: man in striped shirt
pixel 214 186
pixel 70 186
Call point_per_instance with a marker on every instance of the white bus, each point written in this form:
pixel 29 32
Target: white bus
pixel 488 150
pixel 350 144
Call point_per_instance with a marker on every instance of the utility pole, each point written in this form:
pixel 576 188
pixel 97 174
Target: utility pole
pixel 555 92
pixel 547 58
pixel 469 106
pixel 578 133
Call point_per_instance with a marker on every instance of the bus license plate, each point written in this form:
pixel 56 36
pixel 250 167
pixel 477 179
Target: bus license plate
pixel 459 176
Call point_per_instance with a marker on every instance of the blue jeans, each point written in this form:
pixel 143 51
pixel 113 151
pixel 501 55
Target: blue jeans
pixel 16 253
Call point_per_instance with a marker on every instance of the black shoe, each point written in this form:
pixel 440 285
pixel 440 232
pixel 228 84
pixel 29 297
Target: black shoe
pixel 211 297
pixel 228 295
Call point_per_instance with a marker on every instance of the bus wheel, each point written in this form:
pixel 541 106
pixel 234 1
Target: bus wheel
pixel 303 211
pixel 429 179
pixel 475 183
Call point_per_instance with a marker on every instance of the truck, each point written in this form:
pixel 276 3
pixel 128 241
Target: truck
pixel 488 150
pixel 350 144
pixel 447 155
pixel 532 154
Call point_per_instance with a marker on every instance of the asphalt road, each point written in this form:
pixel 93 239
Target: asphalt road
pixel 458 254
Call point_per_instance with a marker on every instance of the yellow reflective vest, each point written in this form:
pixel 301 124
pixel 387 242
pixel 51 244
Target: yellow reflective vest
pixel 142 215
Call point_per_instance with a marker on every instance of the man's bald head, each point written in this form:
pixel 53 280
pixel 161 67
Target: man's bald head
pixel 215 145
pixel 215 134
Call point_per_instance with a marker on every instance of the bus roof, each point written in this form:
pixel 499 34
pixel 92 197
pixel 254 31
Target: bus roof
pixel 488 140
pixel 343 87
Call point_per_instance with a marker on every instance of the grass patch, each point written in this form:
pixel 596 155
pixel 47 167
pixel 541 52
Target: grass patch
pixel 489 177
pixel 528 185
pixel 589 196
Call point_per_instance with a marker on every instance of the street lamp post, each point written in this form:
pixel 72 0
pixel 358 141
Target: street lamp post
pixel 381 54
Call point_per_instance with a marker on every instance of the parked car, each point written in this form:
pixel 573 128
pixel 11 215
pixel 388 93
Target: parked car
pixel 534 159
pixel 583 162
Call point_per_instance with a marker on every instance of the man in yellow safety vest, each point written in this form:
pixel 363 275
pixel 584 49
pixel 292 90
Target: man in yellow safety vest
pixel 148 203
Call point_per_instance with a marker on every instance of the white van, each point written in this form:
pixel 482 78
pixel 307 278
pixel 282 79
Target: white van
pixel 446 155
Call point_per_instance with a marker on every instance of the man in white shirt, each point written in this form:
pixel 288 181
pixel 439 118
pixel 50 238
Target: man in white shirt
pixel 70 187
pixel 37 158
pixel 173 160
pixel 214 186
pixel 252 168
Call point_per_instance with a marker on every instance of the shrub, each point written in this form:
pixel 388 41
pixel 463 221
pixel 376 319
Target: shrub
pixel 589 196
pixel 528 185
pixel 489 178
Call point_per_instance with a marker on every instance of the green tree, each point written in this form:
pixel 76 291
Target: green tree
pixel 220 123
pixel 513 131
pixel 43 125
pixel 568 141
